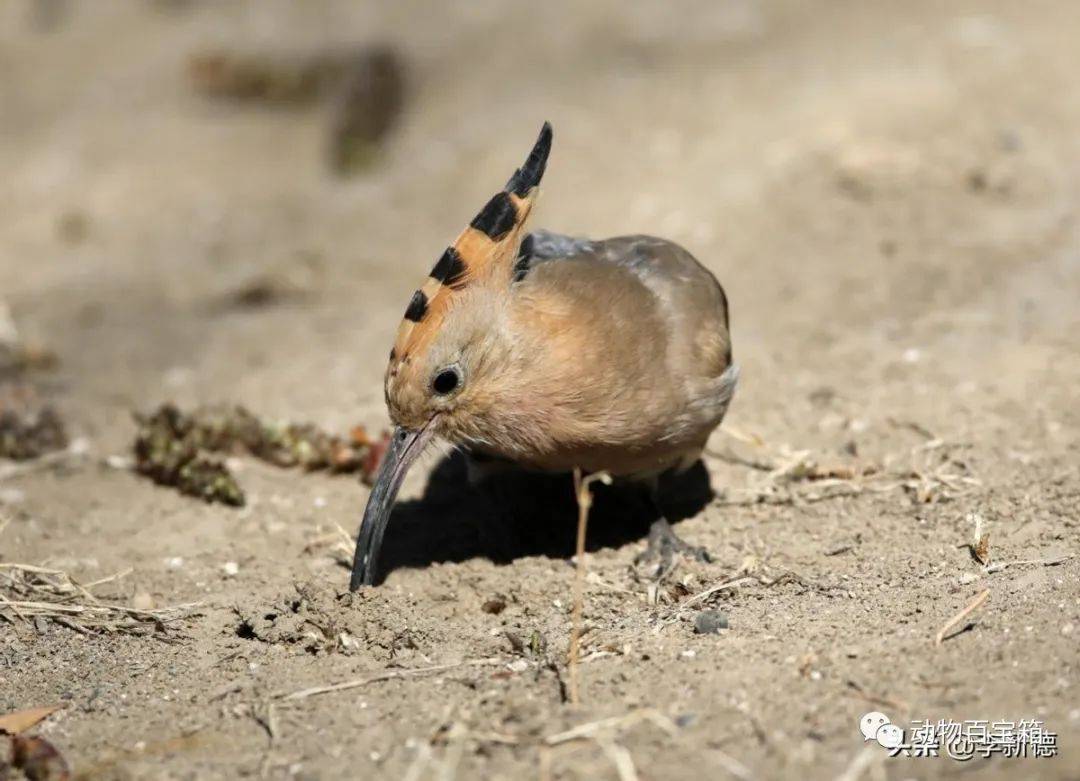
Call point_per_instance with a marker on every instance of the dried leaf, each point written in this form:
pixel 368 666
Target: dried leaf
pixel 22 720
pixel 981 550
pixel 38 759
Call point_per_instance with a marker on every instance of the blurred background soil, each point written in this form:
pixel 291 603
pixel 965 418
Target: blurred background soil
pixel 229 202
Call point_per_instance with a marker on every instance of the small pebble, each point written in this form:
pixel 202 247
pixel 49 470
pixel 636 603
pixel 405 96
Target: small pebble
pixel 231 569
pixel 710 622
pixel 494 606
pixel 122 463
pixel 518 665
pixel 143 601
pixel 1067 629
pixel 174 562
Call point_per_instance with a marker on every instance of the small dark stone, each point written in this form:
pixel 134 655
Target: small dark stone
pixel 494 606
pixel 710 622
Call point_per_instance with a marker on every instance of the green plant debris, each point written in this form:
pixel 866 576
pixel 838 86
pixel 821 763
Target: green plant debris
pixel 187 450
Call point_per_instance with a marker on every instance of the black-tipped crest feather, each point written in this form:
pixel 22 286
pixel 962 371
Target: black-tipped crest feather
pixel 417 307
pixel 497 218
pixel 530 174
pixel 450 270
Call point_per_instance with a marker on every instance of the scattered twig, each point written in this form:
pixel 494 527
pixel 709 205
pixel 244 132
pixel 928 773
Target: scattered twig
pixel 794 477
pixel 265 716
pixel 590 729
pixel 1051 561
pixel 979 547
pixel 858 691
pixel 339 542
pixel 51 608
pixel 384 675
pixel 701 596
pixel 620 757
pixel 953 622
pixel 69 624
pixel 594 579
pixel 749 438
pixel 729 457
pixel 772 494
pixel 760 578
pixel 109 579
pixel 14 609
pixel 222 692
pixel 584 500
pixel 911 425
pixel 35 593
pixel 731 765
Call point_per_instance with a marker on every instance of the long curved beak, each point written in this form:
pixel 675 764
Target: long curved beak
pixel 404 447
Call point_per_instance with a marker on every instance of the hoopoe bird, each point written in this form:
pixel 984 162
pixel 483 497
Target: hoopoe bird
pixel 555 353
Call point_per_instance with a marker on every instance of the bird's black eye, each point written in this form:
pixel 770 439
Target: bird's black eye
pixel 446 381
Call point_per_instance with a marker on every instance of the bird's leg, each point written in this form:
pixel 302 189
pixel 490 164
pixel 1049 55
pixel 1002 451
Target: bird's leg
pixel 663 542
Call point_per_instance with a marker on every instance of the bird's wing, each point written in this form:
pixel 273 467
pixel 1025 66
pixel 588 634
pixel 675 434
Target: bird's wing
pixel 690 300
pixel 627 345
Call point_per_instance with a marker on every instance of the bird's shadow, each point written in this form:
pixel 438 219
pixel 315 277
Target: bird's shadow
pixel 517 513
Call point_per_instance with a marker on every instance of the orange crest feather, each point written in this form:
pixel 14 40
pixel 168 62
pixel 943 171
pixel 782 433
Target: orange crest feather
pixel 487 245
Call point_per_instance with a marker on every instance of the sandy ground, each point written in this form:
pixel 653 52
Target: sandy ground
pixel 889 193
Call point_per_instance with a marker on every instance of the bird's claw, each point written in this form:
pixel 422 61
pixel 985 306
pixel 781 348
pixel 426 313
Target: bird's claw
pixel 664 544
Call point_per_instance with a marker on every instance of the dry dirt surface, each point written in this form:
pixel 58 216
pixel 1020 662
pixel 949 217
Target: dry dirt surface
pixel 888 192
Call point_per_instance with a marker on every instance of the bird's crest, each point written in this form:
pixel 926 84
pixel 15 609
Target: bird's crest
pixel 489 243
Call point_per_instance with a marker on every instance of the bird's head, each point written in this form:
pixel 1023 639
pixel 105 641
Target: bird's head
pixel 448 343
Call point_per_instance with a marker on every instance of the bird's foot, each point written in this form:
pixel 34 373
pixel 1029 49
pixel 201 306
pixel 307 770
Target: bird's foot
pixel 664 544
